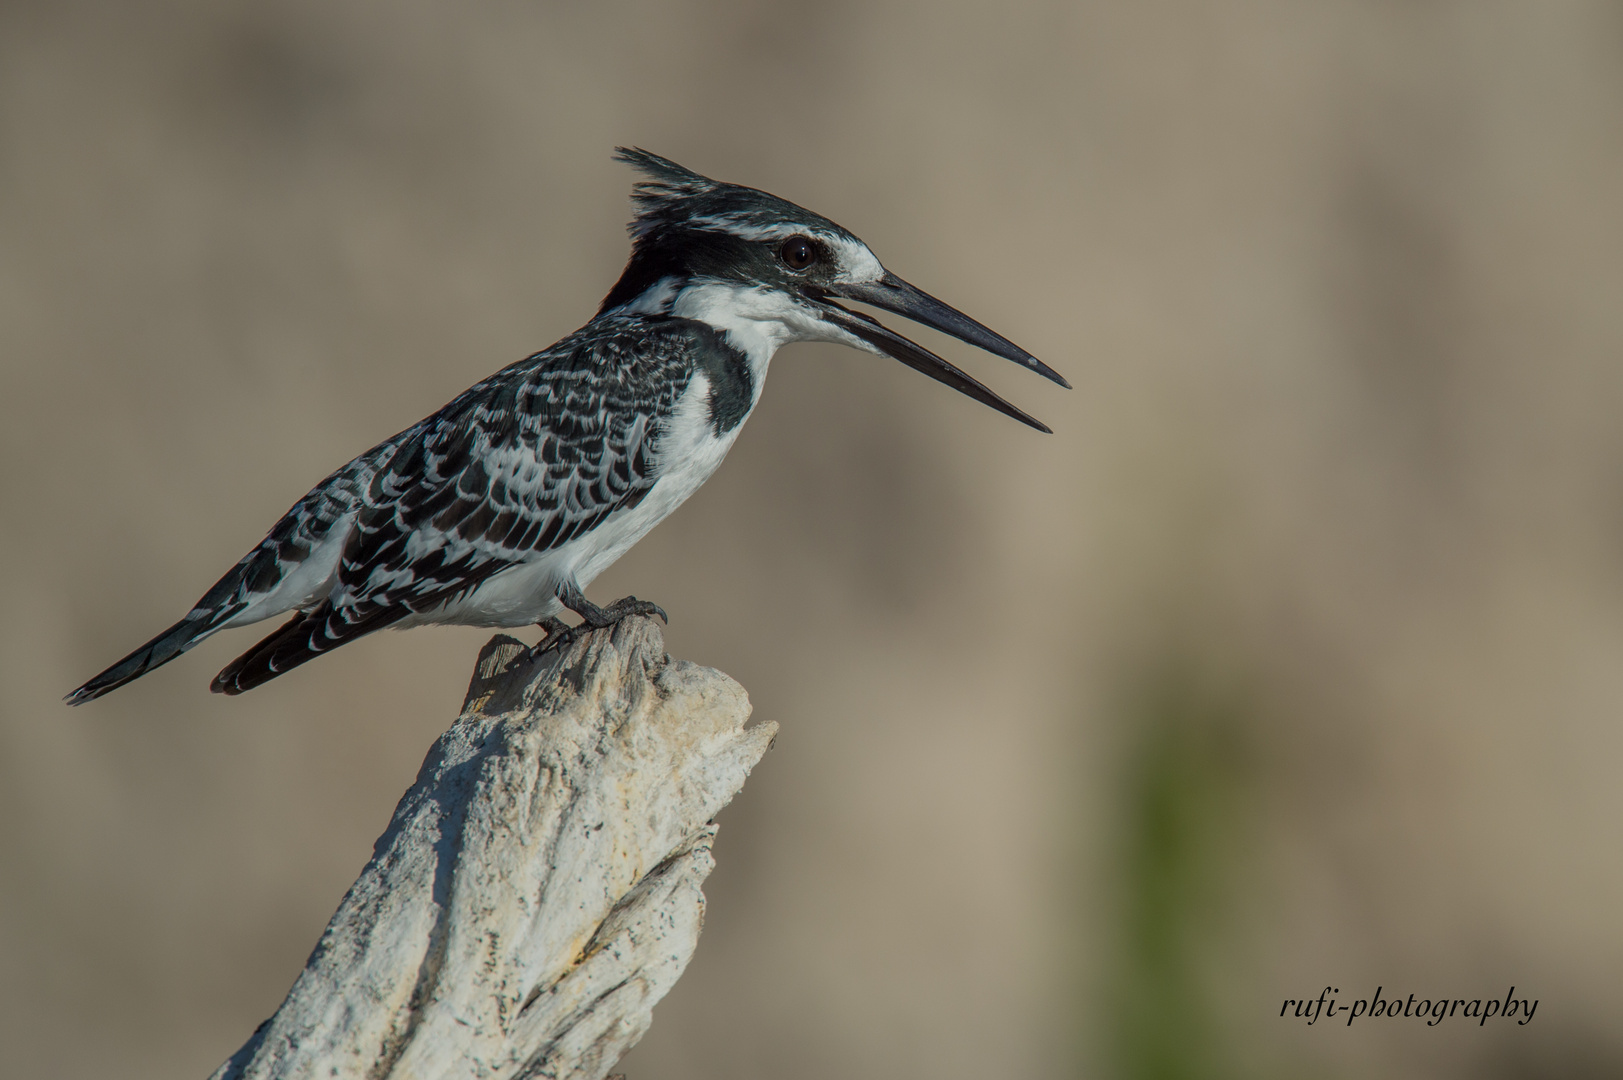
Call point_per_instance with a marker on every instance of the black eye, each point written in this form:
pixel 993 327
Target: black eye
pixel 797 253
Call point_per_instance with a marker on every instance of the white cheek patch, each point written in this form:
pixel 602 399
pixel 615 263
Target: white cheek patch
pixel 725 304
pixel 757 321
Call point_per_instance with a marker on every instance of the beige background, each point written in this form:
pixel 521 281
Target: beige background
pixel 1294 658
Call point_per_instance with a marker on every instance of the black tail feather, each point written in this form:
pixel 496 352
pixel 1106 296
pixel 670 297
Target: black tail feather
pixel 304 637
pixel 285 649
pixel 155 653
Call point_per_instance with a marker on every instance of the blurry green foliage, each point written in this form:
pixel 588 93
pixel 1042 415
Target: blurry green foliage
pixel 1183 834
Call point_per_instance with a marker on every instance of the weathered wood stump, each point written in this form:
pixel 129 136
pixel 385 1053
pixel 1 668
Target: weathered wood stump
pixel 538 888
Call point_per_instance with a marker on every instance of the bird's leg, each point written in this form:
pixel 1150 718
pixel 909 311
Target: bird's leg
pixel 596 618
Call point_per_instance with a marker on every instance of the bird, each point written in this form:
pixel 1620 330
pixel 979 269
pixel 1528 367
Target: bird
pixel 502 507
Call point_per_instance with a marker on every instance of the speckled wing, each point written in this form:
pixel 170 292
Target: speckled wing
pixel 538 454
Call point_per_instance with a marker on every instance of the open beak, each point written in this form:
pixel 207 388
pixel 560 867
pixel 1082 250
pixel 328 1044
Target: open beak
pixel 891 293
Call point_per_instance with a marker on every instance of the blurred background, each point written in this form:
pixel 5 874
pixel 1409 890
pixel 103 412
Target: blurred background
pixel 1290 661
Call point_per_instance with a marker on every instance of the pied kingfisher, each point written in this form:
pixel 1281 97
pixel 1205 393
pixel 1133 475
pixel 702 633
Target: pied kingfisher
pixel 502 507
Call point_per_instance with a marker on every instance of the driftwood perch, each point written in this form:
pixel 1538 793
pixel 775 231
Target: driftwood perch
pixel 538 888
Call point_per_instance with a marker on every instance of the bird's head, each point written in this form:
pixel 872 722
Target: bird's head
pixel 770 272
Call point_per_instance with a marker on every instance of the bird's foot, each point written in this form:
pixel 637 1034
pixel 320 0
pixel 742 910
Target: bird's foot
pixel 561 634
pixel 622 609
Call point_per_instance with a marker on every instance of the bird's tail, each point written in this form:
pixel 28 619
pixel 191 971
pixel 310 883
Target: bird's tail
pixel 305 636
pixel 155 653
pixel 286 648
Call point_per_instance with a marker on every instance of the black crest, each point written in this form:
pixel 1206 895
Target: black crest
pixel 667 187
pixel 676 198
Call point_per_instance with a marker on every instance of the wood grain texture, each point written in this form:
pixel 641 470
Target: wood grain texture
pixel 538 888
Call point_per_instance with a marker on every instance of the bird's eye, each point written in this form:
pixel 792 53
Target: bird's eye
pixel 797 253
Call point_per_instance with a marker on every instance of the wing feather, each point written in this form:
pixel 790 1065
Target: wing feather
pixel 522 463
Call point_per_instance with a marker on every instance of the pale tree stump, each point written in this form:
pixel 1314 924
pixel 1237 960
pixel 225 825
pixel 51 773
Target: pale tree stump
pixel 538 888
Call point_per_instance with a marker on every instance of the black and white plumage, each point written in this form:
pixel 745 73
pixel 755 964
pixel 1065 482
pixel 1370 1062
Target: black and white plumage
pixel 499 509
